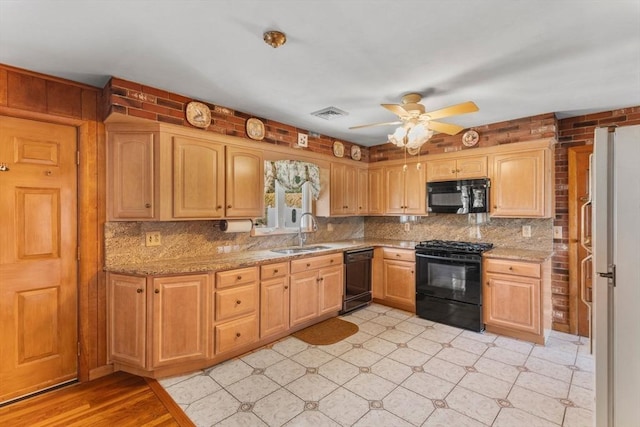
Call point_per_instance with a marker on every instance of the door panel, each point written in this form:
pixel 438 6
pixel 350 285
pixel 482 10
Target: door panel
pixel 38 266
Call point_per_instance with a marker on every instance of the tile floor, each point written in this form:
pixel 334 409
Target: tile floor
pixel 398 370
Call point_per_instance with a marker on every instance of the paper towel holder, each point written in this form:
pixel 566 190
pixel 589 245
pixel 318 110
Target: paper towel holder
pixel 236 226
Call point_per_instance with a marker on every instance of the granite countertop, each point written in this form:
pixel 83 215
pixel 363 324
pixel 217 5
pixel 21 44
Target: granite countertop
pixel 234 260
pixel 518 254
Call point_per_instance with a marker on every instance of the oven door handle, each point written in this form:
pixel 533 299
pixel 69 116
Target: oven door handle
pixel 467 261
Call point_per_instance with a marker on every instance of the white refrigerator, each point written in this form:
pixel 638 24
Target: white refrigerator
pixel 616 275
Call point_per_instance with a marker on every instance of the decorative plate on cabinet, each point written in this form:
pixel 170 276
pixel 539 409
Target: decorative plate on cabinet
pixel 198 114
pixel 470 138
pixel 356 152
pixel 255 129
pixel 338 149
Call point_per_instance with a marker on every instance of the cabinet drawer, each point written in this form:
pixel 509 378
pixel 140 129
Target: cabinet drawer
pixel 516 268
pixel 234 302
pixel 399 254
pixel 313 263
pixel 271 271
pixel 241 276
pixel 236 333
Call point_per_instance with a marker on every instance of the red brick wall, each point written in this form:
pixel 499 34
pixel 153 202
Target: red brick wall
pixel 518 130
pixel 137 100
pixel 574 132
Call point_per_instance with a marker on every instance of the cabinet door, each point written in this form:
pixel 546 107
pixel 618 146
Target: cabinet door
pixel 236 333
pixel 179 318
pixel 331 289
pixel 472 167
pixel 415 186
pixel 376 191
pixel 512 302
pixel 274 306
pixel 399 282
pixel 131 175
pixel 394 190
pixel 304 297
pixel 441 170
pixel 244 183
pixel 198 178
pixel 337 195
pixel 350 191
pixel 362 195
pixel 518 184
pixel 126 319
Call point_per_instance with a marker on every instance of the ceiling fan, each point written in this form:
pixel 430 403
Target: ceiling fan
pixel 411 113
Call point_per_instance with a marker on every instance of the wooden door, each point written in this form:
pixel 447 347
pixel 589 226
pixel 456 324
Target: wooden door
pixel 38 256
pixel 244 183
pixel 441 170
pixel 518 187
pixel 350 190
pixel 331 289
pixel 579 318
pixel 363 192
pixel 131 169
pixel 472 167
pixel 274 306
pixel 304 297
pixel 394 190
pixel 376 191
pixel 180 321
pixel 337 190
pixel 198 178
pixel 127 319
pixel 512 302
pixel 415 186
pixel 399 283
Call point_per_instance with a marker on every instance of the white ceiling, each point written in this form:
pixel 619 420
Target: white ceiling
pixel 514 58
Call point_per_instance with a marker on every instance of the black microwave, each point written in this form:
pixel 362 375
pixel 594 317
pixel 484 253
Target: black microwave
pixel 458 197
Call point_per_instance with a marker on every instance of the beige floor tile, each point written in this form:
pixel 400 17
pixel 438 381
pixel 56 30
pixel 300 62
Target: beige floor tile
pixel 457 356
pixel 230 372
pixel 582 397
pixel 338 371
pixel 354 319
pixel 344 406
pixel 448 329
pixel 543 384
pixel 253 388
pixel 278 407
pixel 241 419
pixel 513 417
pixel 425 346
pixel 554 355
pixel 386 320
pixel 446 370
pixel 410 328
pixel 378 308
pixel 578 417
pixel 408 405
pixel 467 344
pixel 380 417
pixel 537 404
pixel 379 346
pixel 361 357
pixel 312 418
pixel 192 389
pixel 420 321
pixel 336 349
pixel 563 345
pixel 584 379
pixel 372 328
pixel 311 387
pixel 486 385
pixel 519 346
pixel 428 385
pixel 437 335
pixel 409 356
pixel 497 369
pixel 391 370
pixel 169 381
pixel 358 338
pixel 290 346
pixel 263 358
pixel 473 405
pixel 370 386
pixel 550 369
pixel 212 408
pixel 451 418
pixel 285 371
pixel 586 363
pixel 312 357
pixel 399 314
pixel 507 356
pixel 364 314
pixel 485 337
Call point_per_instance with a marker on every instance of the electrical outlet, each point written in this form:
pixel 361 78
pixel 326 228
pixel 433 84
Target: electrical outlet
pixel 557 232
pixel 526 231
pixel 407 226
pixel 329 227
pixel 152 238
pixel 303 140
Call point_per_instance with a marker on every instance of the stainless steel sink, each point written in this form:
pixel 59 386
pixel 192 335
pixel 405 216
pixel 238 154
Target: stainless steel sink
pixel 300 249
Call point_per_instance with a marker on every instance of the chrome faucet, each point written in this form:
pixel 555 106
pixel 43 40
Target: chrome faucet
pixel 302 236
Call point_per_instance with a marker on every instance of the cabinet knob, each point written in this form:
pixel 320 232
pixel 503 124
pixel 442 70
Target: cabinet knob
pixel 139 290
pixel 239 278
pixel 397 255
pixel 228 206
pixel 495 207
pixel 308 265
pixel 147 205
pixel 238 302
pixel 286 287
pixel 331 261
pixel 275 271
pixel 453 171
pixel 157 291
pixel 238 334
pixel 488 283
pixel 218 207
pixel 510 268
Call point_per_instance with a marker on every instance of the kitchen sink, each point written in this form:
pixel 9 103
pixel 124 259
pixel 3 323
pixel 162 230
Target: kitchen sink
pixel 300 249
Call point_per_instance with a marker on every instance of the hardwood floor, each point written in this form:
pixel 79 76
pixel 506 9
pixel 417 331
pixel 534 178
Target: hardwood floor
pixel 119 399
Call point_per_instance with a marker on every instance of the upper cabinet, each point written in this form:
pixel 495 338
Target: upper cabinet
pixel 452 169
pixel 162 175
pixel 375 191
pixel 405 190
pixel 363 191
pixel 521 184
pixel 344 189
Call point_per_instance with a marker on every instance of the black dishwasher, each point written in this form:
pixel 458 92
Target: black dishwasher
pixel 357 279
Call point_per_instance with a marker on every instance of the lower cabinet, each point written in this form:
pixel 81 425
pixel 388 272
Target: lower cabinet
pixel 316 287
pixel 274 299
pixel 176 309
pixel 517 298
pixel 394 281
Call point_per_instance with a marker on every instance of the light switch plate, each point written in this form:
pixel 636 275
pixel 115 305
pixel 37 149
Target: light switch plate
pixel 152 238
pixel 557 232
pixel 526 231
pixel 303 140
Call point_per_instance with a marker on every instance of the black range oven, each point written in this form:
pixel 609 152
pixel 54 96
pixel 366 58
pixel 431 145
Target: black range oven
pixel 449 282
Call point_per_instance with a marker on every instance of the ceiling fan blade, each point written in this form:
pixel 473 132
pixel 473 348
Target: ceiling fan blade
pixel 447 128
pixel 465 107
pixel 376 124
pixel 396 109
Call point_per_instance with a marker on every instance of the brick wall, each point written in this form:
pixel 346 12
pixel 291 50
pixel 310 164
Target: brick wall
pixel 137 100
pixel 573 132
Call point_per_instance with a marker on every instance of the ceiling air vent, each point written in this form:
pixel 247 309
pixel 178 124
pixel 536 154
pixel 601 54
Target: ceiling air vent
pixel 329 113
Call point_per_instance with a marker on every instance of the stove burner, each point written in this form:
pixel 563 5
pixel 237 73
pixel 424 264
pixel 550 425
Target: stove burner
pixel 452 245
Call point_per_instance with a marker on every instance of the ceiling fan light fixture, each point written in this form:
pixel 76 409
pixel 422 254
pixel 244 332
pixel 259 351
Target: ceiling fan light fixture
pixel 274 38
pixel 411 136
